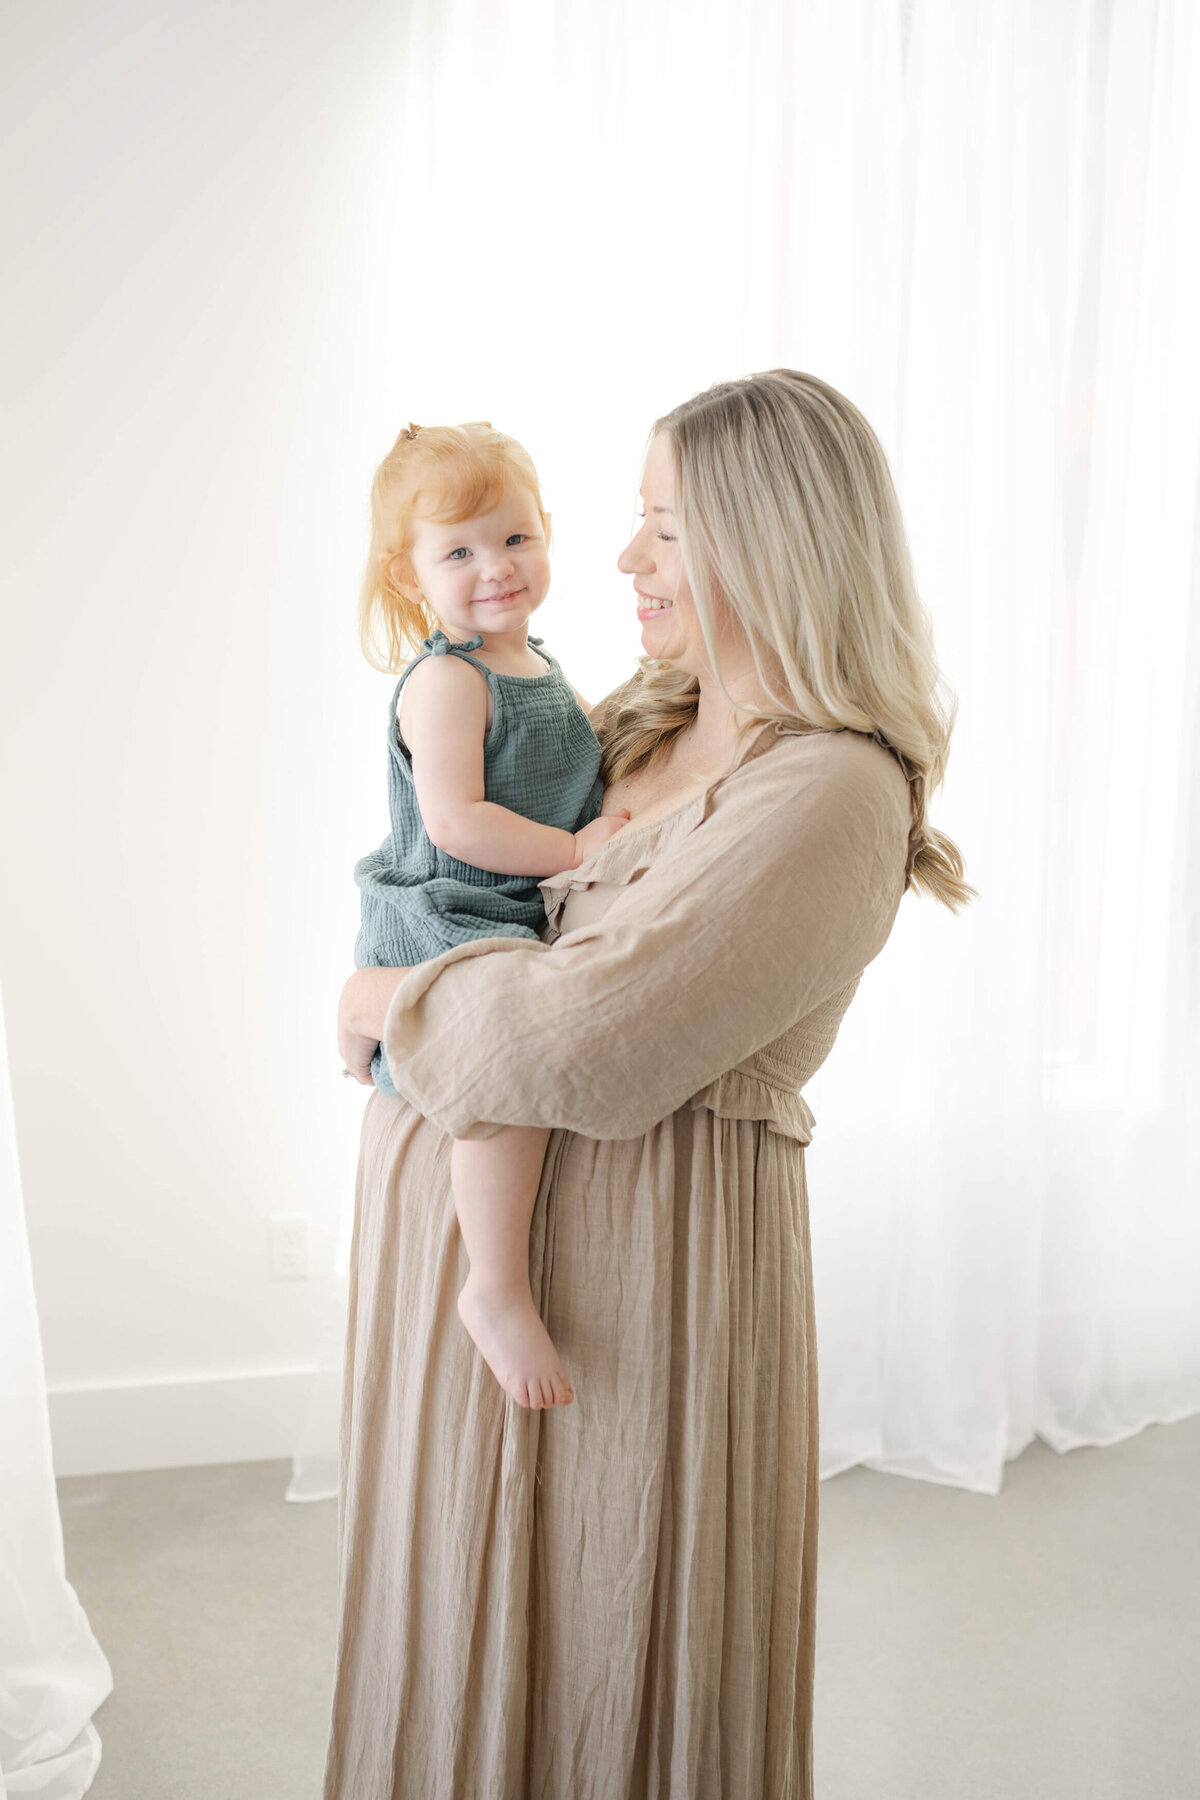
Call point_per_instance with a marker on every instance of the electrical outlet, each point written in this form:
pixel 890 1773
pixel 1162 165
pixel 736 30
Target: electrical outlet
pixel 289 1246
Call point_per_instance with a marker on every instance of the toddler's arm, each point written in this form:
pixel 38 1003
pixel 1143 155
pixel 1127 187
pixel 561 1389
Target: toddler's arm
pixel 445 723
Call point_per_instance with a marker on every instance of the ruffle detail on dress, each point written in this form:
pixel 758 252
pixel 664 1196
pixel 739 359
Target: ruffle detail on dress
pixel 737 1095
pixel 438 644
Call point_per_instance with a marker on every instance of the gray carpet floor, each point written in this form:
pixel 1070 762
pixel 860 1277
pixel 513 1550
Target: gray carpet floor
pixel 1042 1645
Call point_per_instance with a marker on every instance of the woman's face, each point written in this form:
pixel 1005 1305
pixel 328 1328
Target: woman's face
pixel 665 608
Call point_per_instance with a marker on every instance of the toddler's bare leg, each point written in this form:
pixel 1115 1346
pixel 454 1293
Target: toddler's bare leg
pixel 495 1182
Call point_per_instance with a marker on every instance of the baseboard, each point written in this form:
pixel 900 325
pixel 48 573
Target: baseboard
pixel 172 1424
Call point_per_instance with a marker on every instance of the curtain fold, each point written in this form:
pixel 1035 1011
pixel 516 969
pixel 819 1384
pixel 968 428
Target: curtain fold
pixel 979 223
pixel 1033 1200
pixel 53 1674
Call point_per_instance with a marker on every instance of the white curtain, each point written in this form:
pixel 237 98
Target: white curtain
pixel 53 1674
pixel 978 221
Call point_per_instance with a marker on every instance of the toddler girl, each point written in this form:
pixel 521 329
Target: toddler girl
pixel 493 783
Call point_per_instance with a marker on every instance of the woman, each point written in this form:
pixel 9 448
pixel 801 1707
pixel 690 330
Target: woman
pixel 616 1599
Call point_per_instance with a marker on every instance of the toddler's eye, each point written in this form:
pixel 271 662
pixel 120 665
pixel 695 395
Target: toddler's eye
pixel 518 537
pixel 461 551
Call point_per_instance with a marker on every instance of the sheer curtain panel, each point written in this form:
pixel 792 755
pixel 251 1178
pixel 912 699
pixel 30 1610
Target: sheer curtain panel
pixel 53 1674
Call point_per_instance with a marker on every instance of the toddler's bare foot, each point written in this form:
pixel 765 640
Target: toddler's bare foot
pixel 514 1343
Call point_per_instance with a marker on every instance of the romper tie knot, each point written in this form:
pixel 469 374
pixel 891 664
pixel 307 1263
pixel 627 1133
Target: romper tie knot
pixel 438 644
pixel 536 642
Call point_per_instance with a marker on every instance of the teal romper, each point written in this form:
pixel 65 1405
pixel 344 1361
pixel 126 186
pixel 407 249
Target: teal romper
pixel 541 758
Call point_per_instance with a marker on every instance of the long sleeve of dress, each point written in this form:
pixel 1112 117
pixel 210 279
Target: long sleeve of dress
pixel 617 1024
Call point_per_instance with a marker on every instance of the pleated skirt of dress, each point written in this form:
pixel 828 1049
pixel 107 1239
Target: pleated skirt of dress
pixel 612 1600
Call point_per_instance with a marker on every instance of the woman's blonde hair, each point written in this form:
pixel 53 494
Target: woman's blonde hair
pixel 445 472
pixel 788 517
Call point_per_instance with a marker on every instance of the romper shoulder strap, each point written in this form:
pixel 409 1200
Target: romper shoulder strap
pixel 438 644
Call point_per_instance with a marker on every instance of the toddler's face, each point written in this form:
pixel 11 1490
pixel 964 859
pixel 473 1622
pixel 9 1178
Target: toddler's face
pixel 487 574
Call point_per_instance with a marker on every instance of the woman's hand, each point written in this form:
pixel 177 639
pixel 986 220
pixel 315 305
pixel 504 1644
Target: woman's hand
pixel 362 1010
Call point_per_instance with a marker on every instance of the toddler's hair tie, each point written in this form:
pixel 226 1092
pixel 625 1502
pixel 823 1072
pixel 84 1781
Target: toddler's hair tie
pixel 410 430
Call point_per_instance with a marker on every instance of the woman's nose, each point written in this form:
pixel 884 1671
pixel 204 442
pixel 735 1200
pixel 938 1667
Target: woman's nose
pixel 633 557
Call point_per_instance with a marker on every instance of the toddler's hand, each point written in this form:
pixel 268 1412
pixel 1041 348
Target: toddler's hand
pixel 590 839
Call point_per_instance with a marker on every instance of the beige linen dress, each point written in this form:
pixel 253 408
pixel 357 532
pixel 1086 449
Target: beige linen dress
pixel 612 1600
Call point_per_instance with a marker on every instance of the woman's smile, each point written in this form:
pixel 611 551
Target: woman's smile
pixel 650 605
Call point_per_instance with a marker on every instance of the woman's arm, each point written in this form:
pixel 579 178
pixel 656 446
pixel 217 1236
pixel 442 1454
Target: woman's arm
pixel 445 723
pixel 778 898
pixel 362 1010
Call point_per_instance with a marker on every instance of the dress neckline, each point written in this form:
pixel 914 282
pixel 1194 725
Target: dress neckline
pixel 759 744
pixel 615 851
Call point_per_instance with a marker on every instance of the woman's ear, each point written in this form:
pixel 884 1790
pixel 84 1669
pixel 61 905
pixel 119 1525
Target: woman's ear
pixel 399 574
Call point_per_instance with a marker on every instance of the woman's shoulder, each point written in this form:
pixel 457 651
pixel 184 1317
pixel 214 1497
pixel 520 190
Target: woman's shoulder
pixel 827 798
pixel 811 764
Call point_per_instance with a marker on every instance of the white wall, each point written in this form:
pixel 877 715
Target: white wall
pixel 191 747
pixel 167 234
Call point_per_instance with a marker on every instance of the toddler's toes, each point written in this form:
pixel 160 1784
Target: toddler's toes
pixel 562 1392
